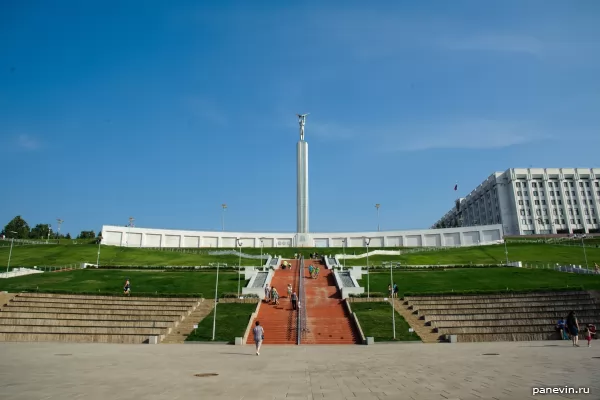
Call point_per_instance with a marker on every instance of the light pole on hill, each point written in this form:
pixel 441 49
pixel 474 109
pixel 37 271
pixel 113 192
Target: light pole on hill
pixel 216 301
pixel 60 221
pixel 12 241
pixel 98 259
pixel 367 242
pixel 48 238
pixel 584 253
pixel 377 207
pixel 261 251
pixel 344 242
pixel 392 301
pixel 506 250
pixel 224 206
pixel 239 243
pixel 131 219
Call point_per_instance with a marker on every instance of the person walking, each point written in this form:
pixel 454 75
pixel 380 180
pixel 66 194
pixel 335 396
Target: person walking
pixel 289 290
pixel 259 336
pixel 267 293
pixel 127 288
pixel 573 328
pixel 294 301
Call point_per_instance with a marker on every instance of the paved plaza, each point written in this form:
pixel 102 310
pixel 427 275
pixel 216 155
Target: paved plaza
pixel 35 371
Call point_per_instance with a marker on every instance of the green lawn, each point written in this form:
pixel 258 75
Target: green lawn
pixel 60 255
pixel 376 321
pixel 527 253
pixel 111 281
pixel 232 321
pixel 477 279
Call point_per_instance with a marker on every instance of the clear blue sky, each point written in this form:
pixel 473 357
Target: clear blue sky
pixel 164 110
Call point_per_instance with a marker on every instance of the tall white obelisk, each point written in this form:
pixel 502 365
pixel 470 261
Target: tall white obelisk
pixel 302 184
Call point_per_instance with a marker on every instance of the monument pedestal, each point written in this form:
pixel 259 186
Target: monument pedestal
pixel 304 240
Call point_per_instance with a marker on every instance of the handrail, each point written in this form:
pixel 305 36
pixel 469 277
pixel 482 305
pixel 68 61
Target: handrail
pixel 301 302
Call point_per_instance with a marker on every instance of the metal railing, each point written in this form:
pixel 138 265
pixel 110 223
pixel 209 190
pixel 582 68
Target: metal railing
pixel 301 321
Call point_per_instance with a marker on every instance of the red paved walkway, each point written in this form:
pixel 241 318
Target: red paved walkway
pixel 327 318
pixel 279 322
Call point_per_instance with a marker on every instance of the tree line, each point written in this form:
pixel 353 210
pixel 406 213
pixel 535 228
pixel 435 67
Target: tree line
pixel 18 228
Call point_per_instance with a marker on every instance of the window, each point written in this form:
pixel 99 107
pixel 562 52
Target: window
pixel 571 184
pixel 520 202
pixel 583 192
pixel 519 193
pixel 518 184
pixel 578 222
pixel 587 184
pixel 576 212
pixel 598 193
pixel 587 212
pixel 587 221
pixel 562 221
pixel 535 193
pixel 537 202
pixel 565 184
pixel 545 211
pixel 569 202
pixel 575 202
pixel 538 212
pixel 529 222
pixel 572 221
pixel 570 211
pixel 523 212
pixel 556 221
pixel 555 212
pixel 589 193
pixel 543 202
pixel 567 193
pixel 560 202
pixel 594 221
pixel 573 193
pixel 553 202
pixel 533 184
pixel 580 184
pixel 527 203
pixel 547 221
pixel 526 193
pixel 551 193
pixel 561 211
pixel 596 184
pixel 528 212
pixel 524 221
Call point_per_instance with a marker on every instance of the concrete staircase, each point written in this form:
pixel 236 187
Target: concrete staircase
pixel 427 333
pixel 185 327
pixel 503 317
pixel 279 322
pixel 328 321
pixel 38 317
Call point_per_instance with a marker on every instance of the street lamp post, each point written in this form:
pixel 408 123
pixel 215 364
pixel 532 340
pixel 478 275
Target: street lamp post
pixel 48 238
pixel 345 241
pixel 216 301
pixel 131 219
pixel 60 221
pixel 98 259
pixel 377 207
pixel 261 251
pixel 506 250
pixel 367 242
pixel 12 241
pixel 584 253
pixel 239 243
pixel 392 301
pixel 224 206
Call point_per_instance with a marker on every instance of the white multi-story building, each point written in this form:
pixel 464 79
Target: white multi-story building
pixel 529 201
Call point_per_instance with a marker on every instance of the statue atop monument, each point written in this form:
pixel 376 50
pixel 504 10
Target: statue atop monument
pixel 302 122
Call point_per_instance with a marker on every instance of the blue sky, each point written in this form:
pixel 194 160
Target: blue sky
pixel 164 110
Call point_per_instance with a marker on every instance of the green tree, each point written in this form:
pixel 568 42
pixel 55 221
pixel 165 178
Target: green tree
pixel 86 235
pixel 40 231
pixel 68 236
pixel 19 225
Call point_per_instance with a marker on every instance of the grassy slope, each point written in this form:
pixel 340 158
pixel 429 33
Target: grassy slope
pixel 376 321
pixel 232 320
pixel 529 253
pixel 478 279
pixel 59 255
pixel 112 281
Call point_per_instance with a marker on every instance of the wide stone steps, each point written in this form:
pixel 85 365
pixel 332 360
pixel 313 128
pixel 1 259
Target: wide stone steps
pixel 184 328
pixel 78 316
pixel 85 323
pixel 579 304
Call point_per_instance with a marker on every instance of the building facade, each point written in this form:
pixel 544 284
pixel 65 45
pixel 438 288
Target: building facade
pixel 127 236
pixel 527 201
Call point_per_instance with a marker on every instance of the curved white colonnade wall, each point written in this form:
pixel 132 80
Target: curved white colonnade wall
pixel 168 238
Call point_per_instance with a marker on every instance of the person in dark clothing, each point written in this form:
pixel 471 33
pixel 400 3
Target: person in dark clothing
pixel 294 301
pixel 573 328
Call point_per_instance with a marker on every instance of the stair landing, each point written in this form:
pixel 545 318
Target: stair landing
pixel 328 321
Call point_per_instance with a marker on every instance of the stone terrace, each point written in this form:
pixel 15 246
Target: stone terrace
pixel 78 318
pixel 508 317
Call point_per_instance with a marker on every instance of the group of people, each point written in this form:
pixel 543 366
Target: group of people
pixel 393 290
pixel 313 271
pixel 569 329
pixel 272 296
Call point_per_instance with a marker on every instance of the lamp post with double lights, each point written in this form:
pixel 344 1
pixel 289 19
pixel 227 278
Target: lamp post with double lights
pixel 261 250
pixel 216 301
pixel 344 242
pixel 224 206
pixel 392 300
pixel 377 207
pixel 239 243
pixel 584 253
pixel 367 242
pixel 60 221
pixel 12 241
